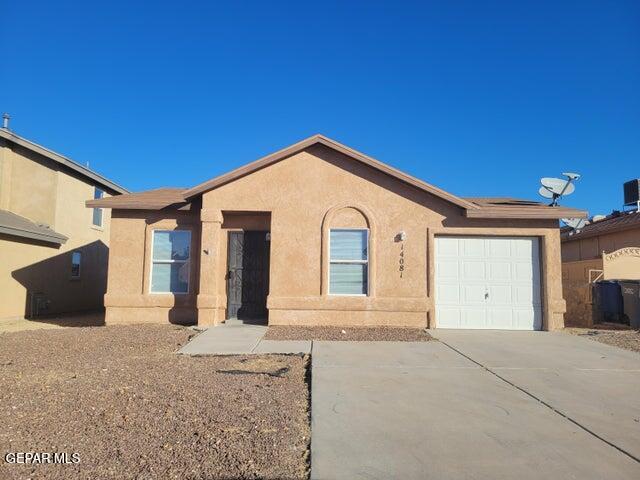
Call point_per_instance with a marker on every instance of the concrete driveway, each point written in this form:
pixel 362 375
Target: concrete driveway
pixel 476 405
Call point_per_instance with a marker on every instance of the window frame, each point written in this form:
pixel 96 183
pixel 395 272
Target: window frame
pixel 76 277
pixel 349 262
pixel 93 211
pixel 152 262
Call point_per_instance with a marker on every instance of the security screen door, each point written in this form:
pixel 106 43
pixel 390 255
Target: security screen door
pixel 248 275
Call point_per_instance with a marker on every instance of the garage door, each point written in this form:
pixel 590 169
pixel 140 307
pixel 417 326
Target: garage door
pixel 488 282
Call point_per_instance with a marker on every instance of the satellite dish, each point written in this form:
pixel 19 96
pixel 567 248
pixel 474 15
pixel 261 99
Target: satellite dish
pixel 597 218
pixel 545 192
pixel 575 223
pixel 558 186
pixel 555 188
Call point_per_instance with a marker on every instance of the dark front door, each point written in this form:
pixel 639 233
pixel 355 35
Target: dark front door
pixel 248 276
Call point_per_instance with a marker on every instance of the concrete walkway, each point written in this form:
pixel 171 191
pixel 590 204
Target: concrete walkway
pixel 240 339
pixel 392 410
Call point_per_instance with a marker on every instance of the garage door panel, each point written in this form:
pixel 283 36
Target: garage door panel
pixel 448 269
pixel 523 272
pixel 502 318
pixel 473 294
pixel 472 249
pixel 499 247
pixel 499 295
pixel 473 269
pixel 499 271
pixel 523 295
pixel 448 294
pixel 448 317
pixel 527 316
pixel 523 249
pixel 493 283
pixel 473 317
pixel 447 249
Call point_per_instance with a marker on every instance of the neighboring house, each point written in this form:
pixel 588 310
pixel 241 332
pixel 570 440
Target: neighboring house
pixel 604 249
pixel 53 251
pixel 320 234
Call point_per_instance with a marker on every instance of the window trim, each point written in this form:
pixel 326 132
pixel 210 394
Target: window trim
pixel 349 262
pixel 93 211
pixel 78 276
pixel 169 262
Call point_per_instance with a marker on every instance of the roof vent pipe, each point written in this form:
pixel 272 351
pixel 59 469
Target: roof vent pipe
pixel 5 121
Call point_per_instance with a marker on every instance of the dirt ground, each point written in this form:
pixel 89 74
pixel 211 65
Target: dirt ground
pixel 371 334
pixel 131 408
pixel 611 335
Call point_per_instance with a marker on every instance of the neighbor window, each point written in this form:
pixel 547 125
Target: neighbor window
pixel 97 212
pixel 76 259
pixel 170 261
pixel 348 262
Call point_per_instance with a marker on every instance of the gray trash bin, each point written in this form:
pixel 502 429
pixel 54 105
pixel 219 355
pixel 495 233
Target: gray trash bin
pixel 631 300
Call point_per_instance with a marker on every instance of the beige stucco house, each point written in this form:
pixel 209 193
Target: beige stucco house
pixel 605 249
pixel 320 234
pixel 53 251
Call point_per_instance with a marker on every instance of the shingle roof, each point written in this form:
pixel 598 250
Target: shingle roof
pixel 12 224
pixel 612 223
pixel 148 200
pixel 506 207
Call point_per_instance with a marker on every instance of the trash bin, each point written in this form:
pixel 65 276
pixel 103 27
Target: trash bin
pixel 631 301
pixel 607 302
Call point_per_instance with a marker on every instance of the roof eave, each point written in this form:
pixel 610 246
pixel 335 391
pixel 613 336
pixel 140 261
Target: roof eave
pixel 39 149
pixel 583 234
pixel 57 239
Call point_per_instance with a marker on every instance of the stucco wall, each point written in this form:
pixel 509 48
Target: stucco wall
pixel 305 195
pixel 128 298
pixel 591 248
pixel 579 256
pixel 34 187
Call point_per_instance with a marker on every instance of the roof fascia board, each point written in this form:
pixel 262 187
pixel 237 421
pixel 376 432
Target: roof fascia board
pixel 56 157
pixel 58 240
pixel 526 213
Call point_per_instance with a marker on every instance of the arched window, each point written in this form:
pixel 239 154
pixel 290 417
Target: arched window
pixel 347 246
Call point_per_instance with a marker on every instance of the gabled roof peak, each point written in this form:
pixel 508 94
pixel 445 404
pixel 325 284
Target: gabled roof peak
pixel 328 142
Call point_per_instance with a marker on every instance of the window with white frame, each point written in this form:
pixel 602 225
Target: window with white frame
pixel 348 261
pixel 97 212
pixel 76 260
pixel 170 254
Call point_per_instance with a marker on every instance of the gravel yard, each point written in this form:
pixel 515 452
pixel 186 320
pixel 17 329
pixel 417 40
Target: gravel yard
pixel 371 334
pixel 131 408
pixel 622 338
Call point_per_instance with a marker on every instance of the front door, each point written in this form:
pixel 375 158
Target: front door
pixel 248 275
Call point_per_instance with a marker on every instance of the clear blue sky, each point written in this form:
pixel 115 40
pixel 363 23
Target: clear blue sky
pixel 479 98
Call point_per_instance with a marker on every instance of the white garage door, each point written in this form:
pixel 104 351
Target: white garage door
pixel 488 282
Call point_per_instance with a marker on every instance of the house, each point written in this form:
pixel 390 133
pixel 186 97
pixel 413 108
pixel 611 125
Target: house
pixel 53 251
pixel 320 234
pixel 606 248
